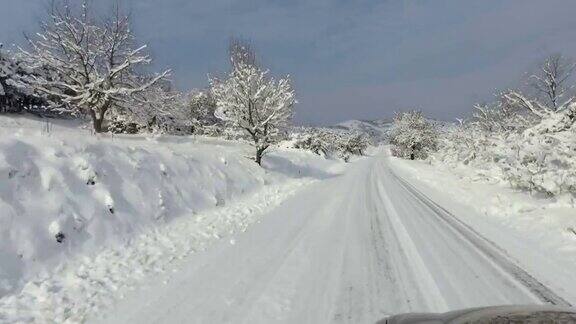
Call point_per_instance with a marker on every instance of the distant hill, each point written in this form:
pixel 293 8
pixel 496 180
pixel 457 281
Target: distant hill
pixel 376 129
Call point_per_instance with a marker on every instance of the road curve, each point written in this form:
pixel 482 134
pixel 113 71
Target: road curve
pixel 350 249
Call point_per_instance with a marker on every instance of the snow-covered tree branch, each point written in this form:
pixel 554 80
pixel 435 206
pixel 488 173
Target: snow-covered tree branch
pixel 202 106
pixel 255 103
pixel 14 96
pixel 92 65
pixel 551 82
pixel 526 139
pixel 241 52
pixel 159 109
pixel 412 136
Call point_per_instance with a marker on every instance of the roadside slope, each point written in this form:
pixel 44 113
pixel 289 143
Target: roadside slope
pixel 65 193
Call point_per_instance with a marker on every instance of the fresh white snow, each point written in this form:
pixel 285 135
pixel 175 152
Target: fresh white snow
pixel 71 201
pixel 353 248
pixel 161 229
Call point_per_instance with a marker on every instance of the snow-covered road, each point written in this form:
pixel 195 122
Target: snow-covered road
pixel 350 249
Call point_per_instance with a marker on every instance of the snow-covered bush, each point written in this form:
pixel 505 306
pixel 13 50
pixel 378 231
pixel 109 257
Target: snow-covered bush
pixel 347 144
pixel 354 143
pixel 330 143
pixel 118 126
pixel 504 115
pixel 464 143
pixel 255 103
pixel 92 64
pixel 316 140
pixel 160 109
pixel 202 107
pixel 413 136
pixel 8 99
pixel 540 158
pixel 474 141
pixel 543 158
pixel 14 97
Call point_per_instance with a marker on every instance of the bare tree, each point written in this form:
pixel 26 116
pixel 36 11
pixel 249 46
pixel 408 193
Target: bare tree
pixel 515 98
pixel 505 114
pixel 550 81
pixel 92 64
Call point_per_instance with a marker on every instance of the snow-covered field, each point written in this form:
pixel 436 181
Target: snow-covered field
pixel 83 215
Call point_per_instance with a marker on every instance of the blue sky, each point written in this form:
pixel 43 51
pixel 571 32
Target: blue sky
pixel 351 59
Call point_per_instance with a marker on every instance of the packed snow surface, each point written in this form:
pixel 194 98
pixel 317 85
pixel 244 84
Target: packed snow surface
pixel 353 248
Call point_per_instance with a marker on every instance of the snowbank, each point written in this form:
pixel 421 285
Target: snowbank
pixel 65 192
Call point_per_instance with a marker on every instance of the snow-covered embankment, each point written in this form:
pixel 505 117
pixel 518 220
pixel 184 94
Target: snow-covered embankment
pixel 72 204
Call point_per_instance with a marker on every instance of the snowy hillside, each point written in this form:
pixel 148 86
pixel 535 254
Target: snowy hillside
pixel 376 129
pixel 64 191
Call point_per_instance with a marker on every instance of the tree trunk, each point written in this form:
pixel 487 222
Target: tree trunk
pixel 97 122
pixel 98 118
pixel 260 153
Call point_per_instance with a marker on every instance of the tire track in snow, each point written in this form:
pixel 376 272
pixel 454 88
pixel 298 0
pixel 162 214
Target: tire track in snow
pixel 486 247
pixel 429 289
pixel 378 277
pixel 359 301
pixel 257 300
pixel 353 249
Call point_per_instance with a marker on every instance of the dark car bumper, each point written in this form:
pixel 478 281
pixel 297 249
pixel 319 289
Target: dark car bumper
pixel 496 314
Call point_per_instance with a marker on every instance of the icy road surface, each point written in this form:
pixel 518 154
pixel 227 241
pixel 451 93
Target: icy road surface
pixel 351 249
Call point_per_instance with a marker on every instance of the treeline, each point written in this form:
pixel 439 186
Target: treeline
pixel 81 66
pixel 525 136
pixel 330 142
